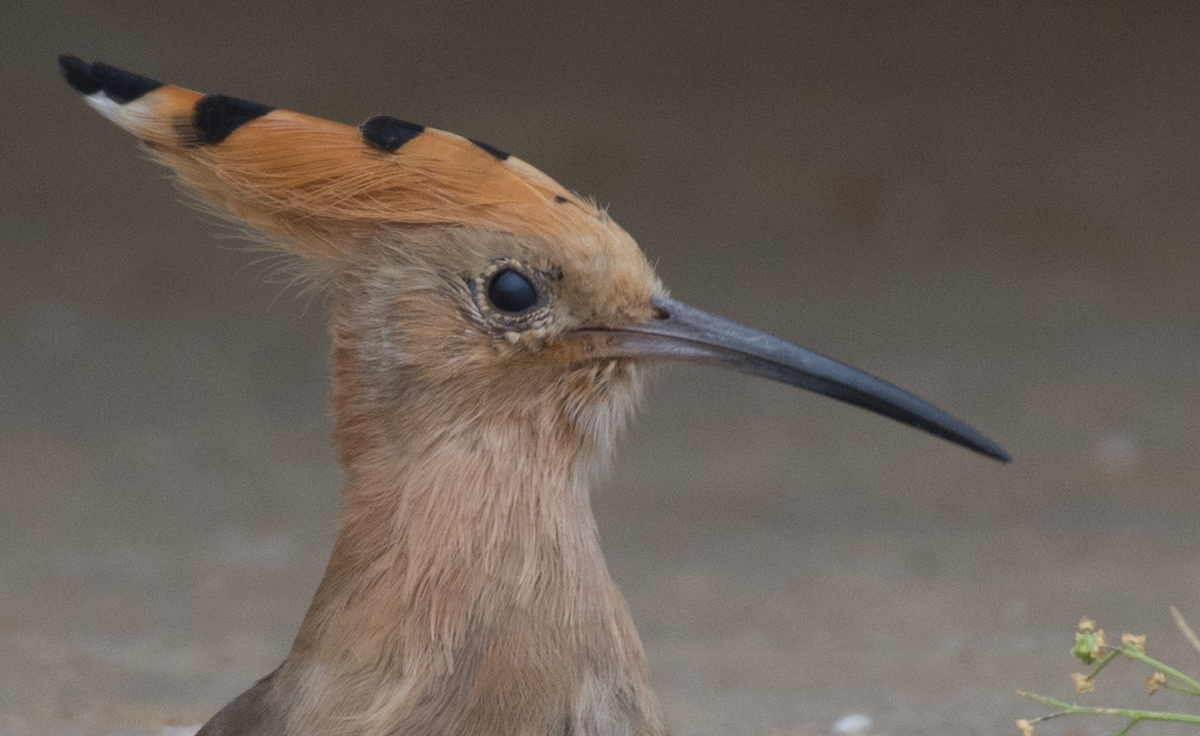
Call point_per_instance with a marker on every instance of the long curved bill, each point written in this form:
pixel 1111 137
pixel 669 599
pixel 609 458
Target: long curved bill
pixel 693 335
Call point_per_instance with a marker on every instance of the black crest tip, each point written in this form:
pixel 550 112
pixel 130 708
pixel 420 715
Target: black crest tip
pixel 78 74
pixel 119 85
pixel 388 133
pixel 216 116
pixel 496 152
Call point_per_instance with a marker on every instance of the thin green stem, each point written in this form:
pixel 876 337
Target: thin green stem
pixel 1129 650
pixel 1104 663
pixel 1134 715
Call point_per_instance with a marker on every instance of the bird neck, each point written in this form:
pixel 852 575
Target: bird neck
pixel 466 590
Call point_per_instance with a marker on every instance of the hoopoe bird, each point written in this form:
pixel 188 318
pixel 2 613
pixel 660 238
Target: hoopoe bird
pixel 490 334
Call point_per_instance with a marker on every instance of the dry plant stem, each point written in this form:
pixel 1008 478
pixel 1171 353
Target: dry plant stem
pixel 1135 716
pixel 1185 629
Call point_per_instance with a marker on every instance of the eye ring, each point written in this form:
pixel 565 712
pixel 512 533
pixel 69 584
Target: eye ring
pixel 511 291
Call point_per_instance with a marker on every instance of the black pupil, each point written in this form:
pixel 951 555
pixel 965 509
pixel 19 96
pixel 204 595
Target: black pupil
pixel 509 291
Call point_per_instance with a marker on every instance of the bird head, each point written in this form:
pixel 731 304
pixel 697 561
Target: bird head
pixel 466 280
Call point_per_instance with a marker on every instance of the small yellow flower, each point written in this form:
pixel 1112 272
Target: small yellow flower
pixel 1085 626
pixel 1083 683
pixel 1138 642
pixel 1155 681
pixel 1026 727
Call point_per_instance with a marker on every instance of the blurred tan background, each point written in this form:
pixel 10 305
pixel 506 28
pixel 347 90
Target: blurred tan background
pixel 993 205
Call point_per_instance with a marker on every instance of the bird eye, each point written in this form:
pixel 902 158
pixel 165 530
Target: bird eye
pixel 511 292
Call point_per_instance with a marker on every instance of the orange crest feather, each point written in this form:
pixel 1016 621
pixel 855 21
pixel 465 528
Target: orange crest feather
pixel 324 185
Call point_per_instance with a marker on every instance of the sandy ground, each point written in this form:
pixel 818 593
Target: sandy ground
pixel 996 209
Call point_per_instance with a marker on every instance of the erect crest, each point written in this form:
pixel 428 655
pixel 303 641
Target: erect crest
pixel 324 185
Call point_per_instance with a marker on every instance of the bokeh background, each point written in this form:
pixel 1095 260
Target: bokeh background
pixel 994 205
